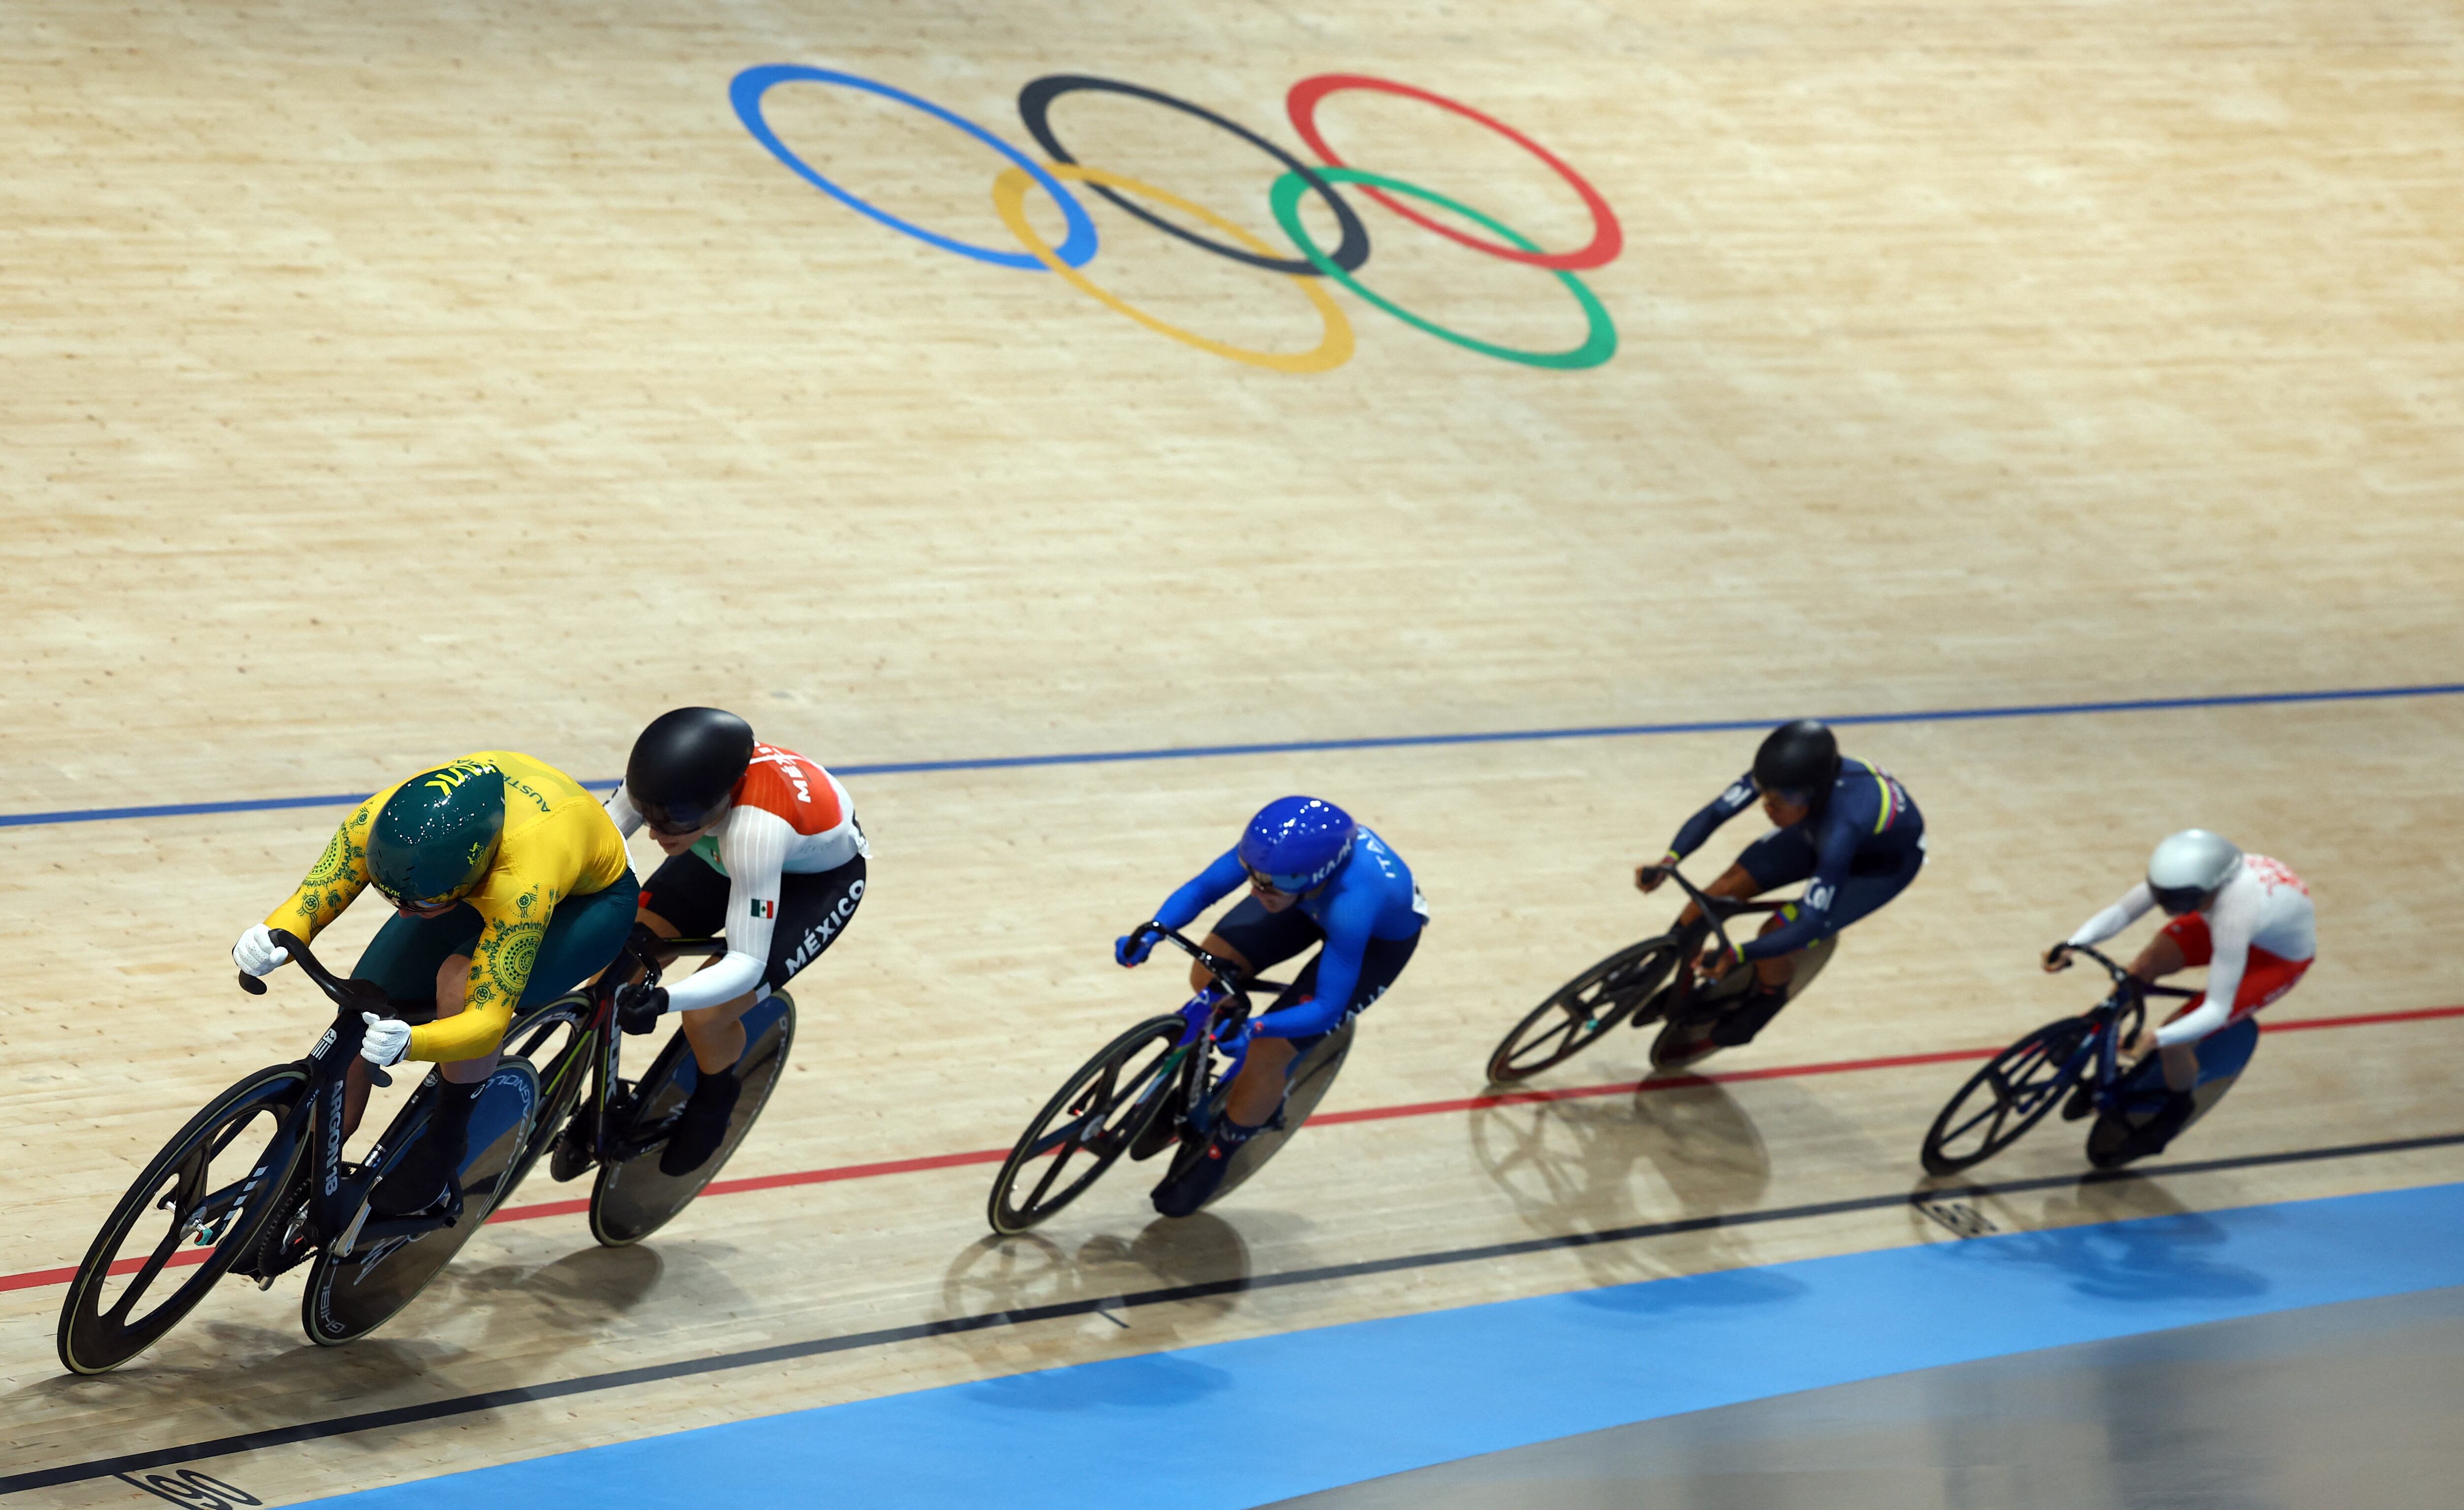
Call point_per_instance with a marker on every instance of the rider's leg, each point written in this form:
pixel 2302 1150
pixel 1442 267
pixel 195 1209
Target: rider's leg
pixel 1258 1090
pixel 2164 956
pixel 814 908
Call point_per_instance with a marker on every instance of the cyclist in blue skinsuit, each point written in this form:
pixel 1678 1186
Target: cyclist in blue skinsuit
pixel 1314 877
pixel 1845 827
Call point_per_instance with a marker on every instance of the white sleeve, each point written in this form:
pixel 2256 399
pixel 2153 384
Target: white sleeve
pixel 621 808
pixel 2232 920
pixel 2132 907
pixel 754 849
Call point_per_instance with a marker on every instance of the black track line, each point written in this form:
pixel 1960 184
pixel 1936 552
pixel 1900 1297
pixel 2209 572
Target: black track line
pixel 782 1352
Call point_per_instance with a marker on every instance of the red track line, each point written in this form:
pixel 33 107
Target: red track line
pixel 36 1278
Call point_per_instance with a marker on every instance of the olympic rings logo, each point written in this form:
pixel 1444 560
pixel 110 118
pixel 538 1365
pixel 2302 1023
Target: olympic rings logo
pixel 1310 271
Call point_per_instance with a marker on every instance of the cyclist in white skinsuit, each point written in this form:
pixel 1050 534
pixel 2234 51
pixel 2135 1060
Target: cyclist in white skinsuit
pixel 760 841
pixel 2246 917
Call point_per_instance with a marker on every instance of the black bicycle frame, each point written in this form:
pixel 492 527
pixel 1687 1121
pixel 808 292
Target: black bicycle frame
pixel 1224 1016
pixel 644 949
pixel 1715 912
pixel 338 1199
pixel 2118 1017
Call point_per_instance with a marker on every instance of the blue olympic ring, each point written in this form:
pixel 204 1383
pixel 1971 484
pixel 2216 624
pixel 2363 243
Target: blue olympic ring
pixel 1077 247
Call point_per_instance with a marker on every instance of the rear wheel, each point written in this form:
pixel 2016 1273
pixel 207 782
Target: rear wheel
pixel 1312 1077
pixel 1579 1011
pixel 351 1295
pixel 202 1201
pixel 2011 1094
pixel 633 1198
pixel 1097 1113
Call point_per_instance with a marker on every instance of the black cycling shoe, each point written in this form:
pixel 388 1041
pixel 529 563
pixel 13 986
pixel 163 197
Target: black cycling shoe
pixel 2081 1101
pixel 1752 1013
pixel 433 1163
pixel 1160 1135
pixel 702 1125
pixel 572 1158
pixel 1194 1183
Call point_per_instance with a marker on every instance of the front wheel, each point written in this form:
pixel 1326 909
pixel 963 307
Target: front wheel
pixel 1578 1013
pixel 2017 1086
pixel 1099 1113
pixel 212 1188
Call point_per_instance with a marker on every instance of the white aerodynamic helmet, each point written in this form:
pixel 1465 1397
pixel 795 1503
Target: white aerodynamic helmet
pixel 2187 869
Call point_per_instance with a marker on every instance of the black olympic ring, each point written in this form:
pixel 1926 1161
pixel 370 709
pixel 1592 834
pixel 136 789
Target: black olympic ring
pixel 1035 108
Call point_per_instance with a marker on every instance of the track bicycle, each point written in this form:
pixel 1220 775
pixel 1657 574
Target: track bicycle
pixel 2075 1062
pixel 1644 983
pixel 256 1184
pixel 1160 1086
pixel 593 1118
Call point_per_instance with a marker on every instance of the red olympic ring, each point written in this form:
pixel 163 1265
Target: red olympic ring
pixel 1607 238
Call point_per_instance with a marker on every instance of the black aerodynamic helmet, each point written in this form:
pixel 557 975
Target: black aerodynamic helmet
pixel 685 764
pixel 1799 758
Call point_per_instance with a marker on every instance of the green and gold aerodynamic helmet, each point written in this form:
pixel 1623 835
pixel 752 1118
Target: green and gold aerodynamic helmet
pixel 434 836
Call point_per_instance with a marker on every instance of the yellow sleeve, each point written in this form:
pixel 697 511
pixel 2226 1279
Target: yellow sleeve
pixel 340 874
pixel 510 931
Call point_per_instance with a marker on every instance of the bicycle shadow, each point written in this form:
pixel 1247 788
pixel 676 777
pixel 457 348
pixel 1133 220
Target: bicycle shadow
pixel 1573 1166
pixel 2120 1239
pixel 1187 1272
pixel 572 1296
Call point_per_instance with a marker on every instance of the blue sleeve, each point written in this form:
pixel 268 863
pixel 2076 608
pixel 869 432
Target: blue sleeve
pixel 1739 796
pixel 1204 889
pixel 1836 847
pixel 1338 970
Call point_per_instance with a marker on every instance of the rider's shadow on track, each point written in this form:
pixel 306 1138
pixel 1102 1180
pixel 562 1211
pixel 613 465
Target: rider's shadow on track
pixel 1597 1163
pixel 575 1296
pixel 1009 1276
pixel 570 1299
pixel 2109 1253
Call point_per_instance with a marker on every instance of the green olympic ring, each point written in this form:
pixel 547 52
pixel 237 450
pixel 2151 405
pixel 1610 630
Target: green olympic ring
pixel 1600 343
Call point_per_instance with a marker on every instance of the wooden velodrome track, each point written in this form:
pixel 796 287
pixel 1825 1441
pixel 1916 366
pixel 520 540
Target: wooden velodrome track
pixel 388 383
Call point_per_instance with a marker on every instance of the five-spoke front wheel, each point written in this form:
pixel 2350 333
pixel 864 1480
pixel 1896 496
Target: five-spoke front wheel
pixel 2010 1095
pixel 1577 1013
pixel 1088 1124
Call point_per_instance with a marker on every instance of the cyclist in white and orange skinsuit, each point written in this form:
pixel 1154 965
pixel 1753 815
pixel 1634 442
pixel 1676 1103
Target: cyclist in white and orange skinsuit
pixel 2246 917
pixel 760 841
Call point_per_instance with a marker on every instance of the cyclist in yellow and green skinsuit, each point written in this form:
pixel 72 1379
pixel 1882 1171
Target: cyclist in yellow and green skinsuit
pixel 510 887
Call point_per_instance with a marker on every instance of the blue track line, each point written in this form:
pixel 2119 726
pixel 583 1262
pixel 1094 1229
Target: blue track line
pixel 1932 715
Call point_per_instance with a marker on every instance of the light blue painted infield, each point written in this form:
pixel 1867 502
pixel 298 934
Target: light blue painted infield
pixel 1935 715
pixel 1241 1424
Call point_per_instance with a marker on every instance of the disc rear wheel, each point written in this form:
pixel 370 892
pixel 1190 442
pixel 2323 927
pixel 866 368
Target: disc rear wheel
pixel 1578 1013
pixel 1088 1124
pixel 634 1196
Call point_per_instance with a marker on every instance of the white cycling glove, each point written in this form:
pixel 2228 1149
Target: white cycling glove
pixel 387 1040
pixel 257 954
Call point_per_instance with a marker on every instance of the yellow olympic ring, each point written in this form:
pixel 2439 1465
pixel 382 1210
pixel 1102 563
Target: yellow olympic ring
pixel 1009 198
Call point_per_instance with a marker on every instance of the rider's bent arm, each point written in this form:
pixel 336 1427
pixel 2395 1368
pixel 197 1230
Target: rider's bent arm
pixel 1808 917
pixel 1203 890
pixel 339 876
pixel 2132 907
pixel 1338 974
pixel 1739 796
pixel 2232 919
pixel 755 853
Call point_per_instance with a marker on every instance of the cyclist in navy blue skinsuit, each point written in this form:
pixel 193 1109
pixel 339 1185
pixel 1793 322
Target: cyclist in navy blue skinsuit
pixel 1845 827
pixel 1314 876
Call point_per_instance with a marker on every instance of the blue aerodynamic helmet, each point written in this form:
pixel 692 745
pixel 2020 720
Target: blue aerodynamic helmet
pixel 1296 843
